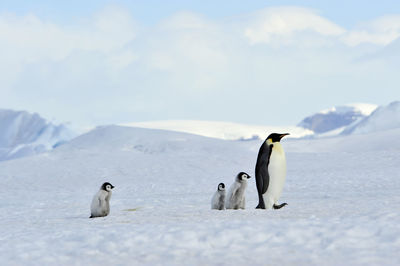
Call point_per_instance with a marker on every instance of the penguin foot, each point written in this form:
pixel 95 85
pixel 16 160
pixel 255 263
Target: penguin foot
pixel 260 206
pixel 276 207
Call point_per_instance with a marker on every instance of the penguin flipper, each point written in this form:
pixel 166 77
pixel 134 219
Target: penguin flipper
pixel 232 196
pixel 262 175
pixel 266 183
pixel 276 207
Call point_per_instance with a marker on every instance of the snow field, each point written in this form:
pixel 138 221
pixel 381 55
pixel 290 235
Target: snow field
pixel 343 204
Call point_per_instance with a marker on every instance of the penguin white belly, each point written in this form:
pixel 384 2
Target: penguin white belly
pixel 236 196
pixel 277 176
pixel 100 205
pixel 218 200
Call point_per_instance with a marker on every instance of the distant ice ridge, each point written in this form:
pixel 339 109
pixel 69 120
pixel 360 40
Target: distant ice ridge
pixel 362 108
pixel 24 134
pixel 356 118
pixel 222 130
pixel 353 119
pixel 383 118
pixel 333 121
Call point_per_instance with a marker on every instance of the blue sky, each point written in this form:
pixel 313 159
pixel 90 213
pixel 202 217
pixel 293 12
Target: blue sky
pixel 346 13
pixel 102 62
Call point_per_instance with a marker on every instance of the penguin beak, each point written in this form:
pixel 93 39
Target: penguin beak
pixel 284 134
pixel 112 186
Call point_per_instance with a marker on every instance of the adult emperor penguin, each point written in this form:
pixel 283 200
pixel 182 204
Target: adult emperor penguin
pixel 270 172
pixel 218 200
pixel 101 201
pixel 236 195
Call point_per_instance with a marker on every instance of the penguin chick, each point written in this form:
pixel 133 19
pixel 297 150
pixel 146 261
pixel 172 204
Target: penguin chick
pixel 100 206
pixel 236 194
pixel 218 200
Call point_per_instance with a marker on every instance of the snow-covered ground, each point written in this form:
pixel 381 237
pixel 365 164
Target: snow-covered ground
pixel 343 196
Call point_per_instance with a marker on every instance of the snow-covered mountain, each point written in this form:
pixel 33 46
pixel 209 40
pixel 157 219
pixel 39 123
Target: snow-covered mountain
pixel 333 121
pixel 222 130
pixel 383 118
pixel 339 190
pixel 23 134
pixel 339 120
pixel 329 122
pixel 353 119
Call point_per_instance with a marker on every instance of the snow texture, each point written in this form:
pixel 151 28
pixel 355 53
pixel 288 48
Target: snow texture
pixel 343 196
pixel 24 134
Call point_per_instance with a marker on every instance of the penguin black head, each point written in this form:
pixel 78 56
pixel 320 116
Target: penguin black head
pixel 107 187
pixel 242 176
pixel 221 187
pixel 276 137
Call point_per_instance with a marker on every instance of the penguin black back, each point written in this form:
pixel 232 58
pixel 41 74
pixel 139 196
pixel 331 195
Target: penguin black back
pixel 262 175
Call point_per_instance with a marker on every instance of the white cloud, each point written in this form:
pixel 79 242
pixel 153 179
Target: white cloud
pixel 284 23
pixel 108 69
pixel 190 48
pixel 381 31
pixel 28 39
